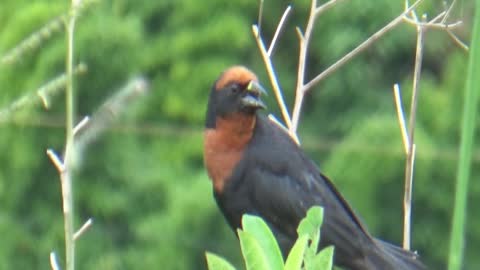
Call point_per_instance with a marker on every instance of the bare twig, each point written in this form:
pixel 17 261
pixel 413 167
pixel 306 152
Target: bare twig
pixel 302 88
pixel 279 29
pixel 56 160
pixel 408 197
pixel 83 229
pixel 260 16
pixel 53 261
pixel 442 25
pixel 319 10
pixel 65 175
pixel 108 111
pixel 84 131
pixel 359 48
pixel 407 202
pixel 33 41
pixel 421 27
pixel 449 10
pixel 304 40
pixel 275 120
pixel 401 117
pixel 41 95
pixel 272 76
pixel 81 125
pixel 452 35
pixel 433 25
pixel 36 39
pixel 457 41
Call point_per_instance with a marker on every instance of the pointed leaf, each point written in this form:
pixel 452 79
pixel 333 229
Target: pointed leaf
pixel 295 257
pixel 253 254
pixel 215 262
pixel 310 226
pixel 323 260
pixel 260 230
pixel 312 222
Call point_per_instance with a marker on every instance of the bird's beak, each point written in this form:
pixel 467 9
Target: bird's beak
pixel 252 98
pixel 255 87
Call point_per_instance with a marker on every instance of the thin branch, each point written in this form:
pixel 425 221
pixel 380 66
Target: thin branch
pixel 401 117
pixel 304 40
pixel 440 15
pixel 457 41
pixel 359 48
pixel 106 114
pixel 412 11
pixel 411 135
pixel 279 29
pixel 272 76
pixel 275 120
pixel 449 10
pixel 301 87
pixel 407 203
pixel 260 16
pixel 33 41
pixel 319 10
pixel 410 160
pixel 53 261
pixel 36 39
pixel 433 25
pixel 302 62
pixel 56 160
pixel 65 175
pixel 442 25
pixel 83 229
pixel 41 95
pixel 81 125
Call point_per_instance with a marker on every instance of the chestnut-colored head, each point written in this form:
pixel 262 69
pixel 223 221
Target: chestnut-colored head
pixel 236 91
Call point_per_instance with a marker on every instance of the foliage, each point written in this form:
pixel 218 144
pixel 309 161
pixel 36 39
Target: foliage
pixel 261 251
pixel 464 163
pixel 144 183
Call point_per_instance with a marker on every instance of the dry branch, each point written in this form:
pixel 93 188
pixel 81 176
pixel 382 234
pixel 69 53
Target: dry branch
pixel 41 95
pixel 107 113
pixel 33 41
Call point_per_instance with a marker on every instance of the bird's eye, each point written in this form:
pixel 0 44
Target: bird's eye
pixel 235 88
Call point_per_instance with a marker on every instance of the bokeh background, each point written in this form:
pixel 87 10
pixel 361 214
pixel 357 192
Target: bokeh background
pixel 143 181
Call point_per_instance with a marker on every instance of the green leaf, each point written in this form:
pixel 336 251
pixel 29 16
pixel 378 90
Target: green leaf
pixel 312 222
pixel 323 260
pixel 470 103
pixel 295 257
pixel 260 230
pixel 253 254
pixel 310 226
pixel 215 262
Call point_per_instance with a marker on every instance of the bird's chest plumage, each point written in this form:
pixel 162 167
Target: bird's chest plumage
pixel 224 147
pixel 220 161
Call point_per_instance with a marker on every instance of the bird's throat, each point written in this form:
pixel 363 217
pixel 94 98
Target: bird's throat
pixel 224 146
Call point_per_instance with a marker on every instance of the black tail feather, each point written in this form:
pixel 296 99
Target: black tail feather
pixel 388 256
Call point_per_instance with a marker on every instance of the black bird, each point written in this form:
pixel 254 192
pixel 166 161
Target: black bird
pixel 257 168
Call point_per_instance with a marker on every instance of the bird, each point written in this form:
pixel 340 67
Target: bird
pixel 257 168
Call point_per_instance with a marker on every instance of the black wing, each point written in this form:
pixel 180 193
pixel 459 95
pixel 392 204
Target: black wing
pixel 285 184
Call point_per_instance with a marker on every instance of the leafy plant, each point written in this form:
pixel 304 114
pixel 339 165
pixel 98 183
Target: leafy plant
pixel 457 237
pixel 261 251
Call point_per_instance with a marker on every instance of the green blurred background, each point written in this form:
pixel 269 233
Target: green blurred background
pixel 143 182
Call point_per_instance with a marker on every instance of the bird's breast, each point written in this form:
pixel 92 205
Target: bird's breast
pixel 222 154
